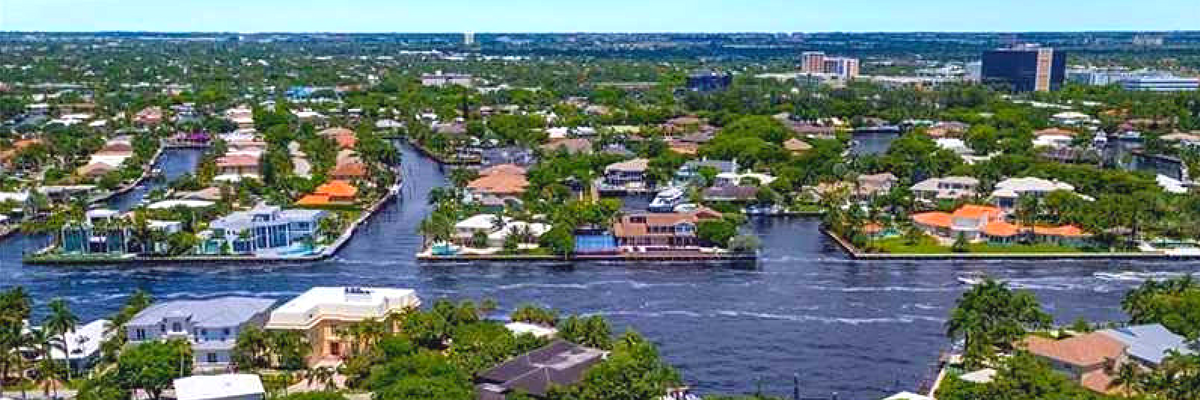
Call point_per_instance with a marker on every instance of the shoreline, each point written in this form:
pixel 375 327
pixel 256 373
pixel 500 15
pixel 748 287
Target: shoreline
pixel 329 251
pixel 726 258
pixel 858 255
pixel 146 169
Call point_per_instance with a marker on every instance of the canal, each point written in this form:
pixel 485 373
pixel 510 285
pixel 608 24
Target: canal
pixel 860 329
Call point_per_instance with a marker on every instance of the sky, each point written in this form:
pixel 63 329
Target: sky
pixel 250 16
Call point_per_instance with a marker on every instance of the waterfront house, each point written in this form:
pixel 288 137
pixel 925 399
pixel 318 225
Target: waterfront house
pixel 241 116
pixel 875 185
pixel 933 190
pixel 349 171
pixel 661 229
pixel 1086 359
pixel 264 228
pixel 496 230
pixel 947 129
pixel 211 326
pixel 322 312
pixel 730 193
pixel 219 387
pixel 626 175
pixel 746 179
pixel 690 171
pixel 560 363
pixel 1009 191
pixel 501 185
pixel 235 167
pixel 335 192
pixel 100 232
pixel 968 221
pixel 1148 345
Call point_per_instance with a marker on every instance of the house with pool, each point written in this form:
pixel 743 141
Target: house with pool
pixel 265 231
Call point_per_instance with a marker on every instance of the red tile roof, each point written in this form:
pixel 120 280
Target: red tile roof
pixel 976 211
pixel 1085 351
pixel 934 219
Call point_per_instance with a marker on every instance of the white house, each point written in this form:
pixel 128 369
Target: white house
pixel 210 326
pixel 1010 190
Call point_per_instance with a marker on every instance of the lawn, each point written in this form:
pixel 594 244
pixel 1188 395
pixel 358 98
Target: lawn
pixel 929 245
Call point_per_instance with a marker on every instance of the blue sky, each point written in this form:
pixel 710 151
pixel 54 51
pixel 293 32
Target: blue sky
pixel 597 15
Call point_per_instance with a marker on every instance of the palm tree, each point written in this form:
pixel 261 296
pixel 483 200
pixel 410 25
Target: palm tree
pixel 48 374
pixel 44 342
pixel 61 321
pixel 1028 209
pixel 1127 377
pixel 322 376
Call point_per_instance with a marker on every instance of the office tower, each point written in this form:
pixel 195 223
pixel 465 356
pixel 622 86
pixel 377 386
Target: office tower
pixel 1025 68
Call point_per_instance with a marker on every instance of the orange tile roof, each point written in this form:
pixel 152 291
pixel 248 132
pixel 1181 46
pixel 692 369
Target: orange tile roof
pixel 934 219
pixel 1001 229
pixel 1084 351
pixel 337 188
pixel 1063 231
pixel 976 211
pixel 346 141
pixel 23 143
pixel 313 200
pixel 1097 381
pixel 500 184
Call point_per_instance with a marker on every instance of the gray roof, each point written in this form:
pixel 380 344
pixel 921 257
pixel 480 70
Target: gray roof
pixel 560 363
pixel 1149 343
pixel 722 166
pixel 217 313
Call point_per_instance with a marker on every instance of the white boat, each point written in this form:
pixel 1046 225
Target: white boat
pixel 667 200
pixel 972 278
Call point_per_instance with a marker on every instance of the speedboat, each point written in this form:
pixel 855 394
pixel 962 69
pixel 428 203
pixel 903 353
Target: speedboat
pixel 972 278
pixel 667 200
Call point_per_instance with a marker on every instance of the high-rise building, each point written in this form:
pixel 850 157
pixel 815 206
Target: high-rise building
pixel 812 62
pixel 1025 68
pixel 468 38
pixel 846 68
pixel 816 62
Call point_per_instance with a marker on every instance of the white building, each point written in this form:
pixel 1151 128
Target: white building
pixel 219 387
pixel 210 326
pixel 1010 190
pixel 948 188
pixel 440 79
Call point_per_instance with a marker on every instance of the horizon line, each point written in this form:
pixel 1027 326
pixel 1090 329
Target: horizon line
pixel 585 32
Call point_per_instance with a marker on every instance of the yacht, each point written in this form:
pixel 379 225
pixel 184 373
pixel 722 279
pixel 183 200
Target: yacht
pixel 667 200
pixel 974 278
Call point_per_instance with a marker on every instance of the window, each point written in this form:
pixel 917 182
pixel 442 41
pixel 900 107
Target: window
pixel 226 331
pixel 204 332
pixel 176 327
pixel 212 358
pixel 162 328
pixel 140 334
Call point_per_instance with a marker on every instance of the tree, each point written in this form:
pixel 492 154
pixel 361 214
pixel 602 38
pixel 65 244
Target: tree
pixel 591 331
pixel 960 244
pixel 1175 303
pixel 633 371
pixel 991 318
pixel 153 366
pixel 322 376
pixel 61 321
pixel 252 349
pixel 716 232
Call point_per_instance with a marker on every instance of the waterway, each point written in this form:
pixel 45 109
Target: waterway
pixel 860 329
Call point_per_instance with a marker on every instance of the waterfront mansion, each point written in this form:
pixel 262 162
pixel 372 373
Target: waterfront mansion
pixel 322 311
pixel 262 229
pixel 210 326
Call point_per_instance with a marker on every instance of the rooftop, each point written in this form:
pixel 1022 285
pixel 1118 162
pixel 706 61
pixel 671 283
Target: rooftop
pixel 560 363
pixel 218 313
pixel 1148 343
pixel 212 387
pixel 342 303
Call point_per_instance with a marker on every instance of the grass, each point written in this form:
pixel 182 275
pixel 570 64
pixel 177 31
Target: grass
pixel 929 245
